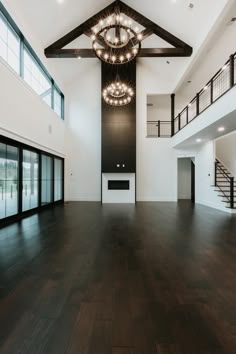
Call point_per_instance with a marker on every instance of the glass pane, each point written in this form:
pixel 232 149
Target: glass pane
pixel 9 45
pixel 11 190
pixel 57 102
pixel 3 152
pixel 3 49
pixel 36 78
pixel 2 180
pixel 2 198
pixel 30 180
pixel 46 195
pixel 11 198
pixel 3 29
pixel 12 163
pixel 58 180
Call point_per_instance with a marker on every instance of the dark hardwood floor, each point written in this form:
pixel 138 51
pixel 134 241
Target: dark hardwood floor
pixel 155 278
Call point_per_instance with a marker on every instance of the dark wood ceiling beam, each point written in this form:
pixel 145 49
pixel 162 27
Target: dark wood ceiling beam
pixel 84 27
pixel 70 53
pixel 144 52
pixel 164 52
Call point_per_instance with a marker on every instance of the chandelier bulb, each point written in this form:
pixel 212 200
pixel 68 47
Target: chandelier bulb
pixel 140 36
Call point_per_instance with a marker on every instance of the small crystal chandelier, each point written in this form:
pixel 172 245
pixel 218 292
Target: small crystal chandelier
pixel 118 93
pixel 115 41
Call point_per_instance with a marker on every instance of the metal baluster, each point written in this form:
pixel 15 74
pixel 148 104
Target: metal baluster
pixel 232 192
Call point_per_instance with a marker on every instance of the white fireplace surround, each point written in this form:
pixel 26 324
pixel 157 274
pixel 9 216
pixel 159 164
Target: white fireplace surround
pixel 118 196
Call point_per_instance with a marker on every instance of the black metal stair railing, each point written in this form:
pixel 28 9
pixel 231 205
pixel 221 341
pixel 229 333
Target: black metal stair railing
pixel 225 183
pixel 223 81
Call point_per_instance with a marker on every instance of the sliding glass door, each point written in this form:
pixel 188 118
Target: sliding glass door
pixel 30 180
pixel 9 180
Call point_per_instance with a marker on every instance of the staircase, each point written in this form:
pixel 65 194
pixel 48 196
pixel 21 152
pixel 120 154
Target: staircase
pixel 225 185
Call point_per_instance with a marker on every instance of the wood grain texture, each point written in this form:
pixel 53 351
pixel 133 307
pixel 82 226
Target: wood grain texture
pixel 155 278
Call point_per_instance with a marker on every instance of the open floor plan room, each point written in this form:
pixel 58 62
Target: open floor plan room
pixel 117 177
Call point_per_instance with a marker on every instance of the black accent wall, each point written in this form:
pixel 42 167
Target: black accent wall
pixel 119 124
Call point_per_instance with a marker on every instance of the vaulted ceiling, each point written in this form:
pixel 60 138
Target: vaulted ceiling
pixel 51 19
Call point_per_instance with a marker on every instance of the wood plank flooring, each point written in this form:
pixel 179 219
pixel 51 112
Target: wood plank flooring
pixel 155 278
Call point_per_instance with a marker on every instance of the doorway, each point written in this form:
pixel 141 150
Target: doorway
pixel 186 179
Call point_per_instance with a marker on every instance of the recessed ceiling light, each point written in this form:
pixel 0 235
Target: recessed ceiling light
pixel 198 140
pixel 60 1
pixel 79 58
pixel 221 129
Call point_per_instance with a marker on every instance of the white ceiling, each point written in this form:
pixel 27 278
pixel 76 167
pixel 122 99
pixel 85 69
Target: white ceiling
pixel 48 21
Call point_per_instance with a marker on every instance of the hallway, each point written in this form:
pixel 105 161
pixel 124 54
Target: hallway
pixel 151 278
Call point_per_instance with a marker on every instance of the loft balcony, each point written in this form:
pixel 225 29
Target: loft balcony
pixel 214 104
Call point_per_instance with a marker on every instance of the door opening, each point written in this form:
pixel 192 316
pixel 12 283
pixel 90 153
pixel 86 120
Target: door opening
pixel 186 179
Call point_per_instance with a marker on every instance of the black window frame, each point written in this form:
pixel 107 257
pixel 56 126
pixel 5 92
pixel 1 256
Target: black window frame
pixel 22 146
pixel 24 44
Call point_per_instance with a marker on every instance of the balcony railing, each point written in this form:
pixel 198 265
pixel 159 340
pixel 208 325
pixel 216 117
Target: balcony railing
pixel 159 129
pixel 220 84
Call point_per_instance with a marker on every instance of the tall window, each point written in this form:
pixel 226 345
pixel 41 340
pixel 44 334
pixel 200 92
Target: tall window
pixel 26 63
pixel 9 45
pixel 30 196
pixel 35 77
pixel 9 184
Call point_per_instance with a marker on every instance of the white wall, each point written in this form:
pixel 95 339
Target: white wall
pixel 156 160
pixel 161 109
pixel 226 151
pixel 83 135
pixel 184 178
pixel 204 177
pixel 25 117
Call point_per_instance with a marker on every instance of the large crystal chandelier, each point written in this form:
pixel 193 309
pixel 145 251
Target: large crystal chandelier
pixel 115 41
